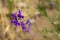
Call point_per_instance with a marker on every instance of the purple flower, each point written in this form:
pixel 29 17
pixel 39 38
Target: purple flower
pixel 23 25
pixel 29 25
pixel 15 22
pixel 19 14
pixel 28 29
pixel 14 16
pixel 27 21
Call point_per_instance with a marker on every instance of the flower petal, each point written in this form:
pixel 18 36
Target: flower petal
pixel 23 26
pixel 19 12
pixel 20 16
pixel 27 29
pixel 27 21
pixel 15 22
pixel 14 16
pixel 29 25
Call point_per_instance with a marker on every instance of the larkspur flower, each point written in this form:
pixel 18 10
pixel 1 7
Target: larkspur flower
pixel 27 29
pixel 14 16
pixel 27 21
pixel 19 14
pixel 29 25
pixel 23 25
pixel 15 22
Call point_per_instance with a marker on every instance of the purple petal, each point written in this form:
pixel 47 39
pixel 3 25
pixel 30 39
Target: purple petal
pixel 19 12
pixel 27 29
pixel 29 25
pixel 12 21
pixel 15 22
pixel 20 16
pixel 27 21
pixel 23 26
pixel 14 16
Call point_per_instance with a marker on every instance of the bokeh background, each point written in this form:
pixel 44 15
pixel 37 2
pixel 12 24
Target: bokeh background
pixel 44 16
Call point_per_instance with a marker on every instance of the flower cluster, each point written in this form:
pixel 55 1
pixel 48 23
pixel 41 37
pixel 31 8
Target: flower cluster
pixel 21 23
